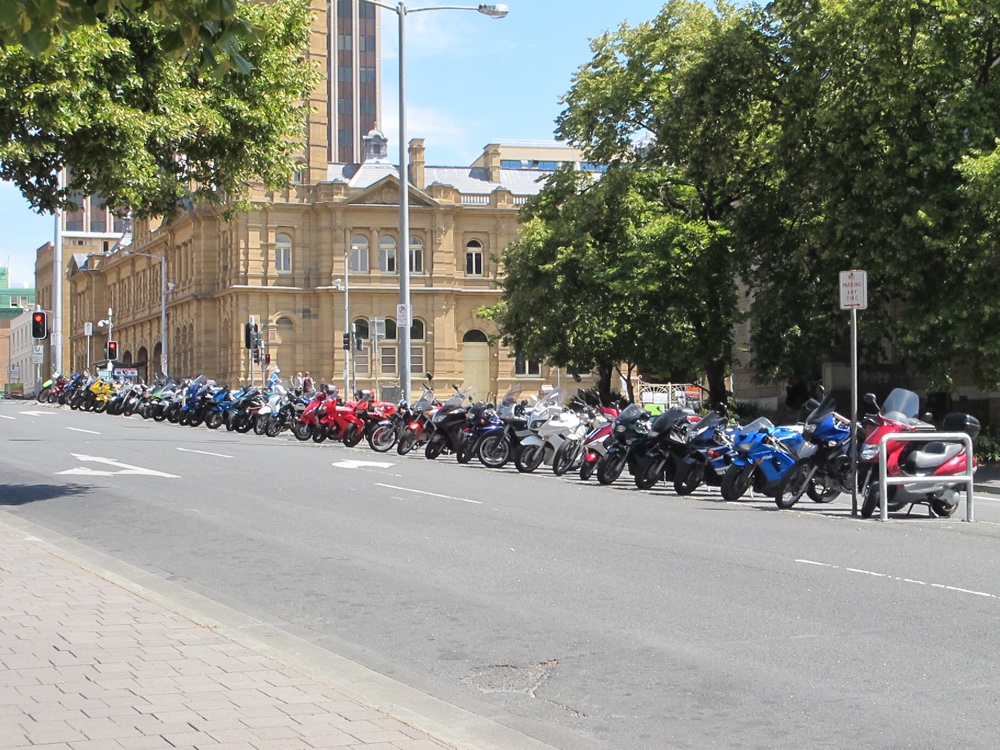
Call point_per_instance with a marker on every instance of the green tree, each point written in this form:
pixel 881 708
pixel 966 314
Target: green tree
pixel 146 129
pixel 592 283
pixel 210 30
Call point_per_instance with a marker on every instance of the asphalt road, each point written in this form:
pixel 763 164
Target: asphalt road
pixel 584 616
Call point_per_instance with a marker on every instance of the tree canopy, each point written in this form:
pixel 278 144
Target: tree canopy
pixel 814 138
pixel 146 129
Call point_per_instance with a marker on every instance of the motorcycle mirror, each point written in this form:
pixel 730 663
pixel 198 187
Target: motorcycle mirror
pixel 928 417
pixel 430 377
pixel 811 404
pixel 869 398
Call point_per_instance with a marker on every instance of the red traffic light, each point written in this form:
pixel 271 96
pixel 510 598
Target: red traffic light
pixel 39 324
pixel 112 351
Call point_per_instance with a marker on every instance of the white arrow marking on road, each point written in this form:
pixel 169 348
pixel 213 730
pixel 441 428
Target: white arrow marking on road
pixel 126 468
pixel 204 453
pixel 359 464
pixel 80 429
pixel 432 494
pixel 4 416
pixel 37 413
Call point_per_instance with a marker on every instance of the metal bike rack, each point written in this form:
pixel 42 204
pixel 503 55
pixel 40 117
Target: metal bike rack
pixel 923 437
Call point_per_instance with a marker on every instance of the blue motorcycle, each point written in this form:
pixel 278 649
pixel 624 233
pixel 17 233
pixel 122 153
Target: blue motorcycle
pixel 710 450
pixel 823 465
pixel 763 456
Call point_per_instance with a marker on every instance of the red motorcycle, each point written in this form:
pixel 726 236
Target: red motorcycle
pixel 932 458
pixel 594 448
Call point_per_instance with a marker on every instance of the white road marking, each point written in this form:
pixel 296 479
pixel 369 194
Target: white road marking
pixel 125 468
pixel 37 413
pixel 80 429
pixel 897 578
pixel 432 494
pixel 4 416
pixel 350 464
pixel 204 453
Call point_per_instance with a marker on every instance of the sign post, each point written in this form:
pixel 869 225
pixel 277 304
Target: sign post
pixel 854 297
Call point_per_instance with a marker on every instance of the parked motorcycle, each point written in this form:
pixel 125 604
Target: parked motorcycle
pixel 451 428
pixel 420 426
pixel 916 459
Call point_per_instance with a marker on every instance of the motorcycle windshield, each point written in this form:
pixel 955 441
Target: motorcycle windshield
pixel 822 411
pixel 757 425
pixel 631 413
pixel 512 395
pixel 902 401
pixel 425 402
pixel 458 399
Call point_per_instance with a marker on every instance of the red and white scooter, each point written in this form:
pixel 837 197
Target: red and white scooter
pixel 917 459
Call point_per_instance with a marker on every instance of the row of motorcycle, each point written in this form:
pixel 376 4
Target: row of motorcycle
pixel 678 446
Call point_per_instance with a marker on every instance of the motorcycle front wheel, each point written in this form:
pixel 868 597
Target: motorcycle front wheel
pixel 565 457
pixel 587 469
pixel 794 484
pixel 610 467
pixel 688 478
pixel 274 427
pixel 529 458
pixel 382 438
pixel 352 436
pixel 302 431
pixel 434 447
pixel 737 481
pixel 214 420
pixel 650 474
pixel 406 442
pixel 494 451
pixel 467 448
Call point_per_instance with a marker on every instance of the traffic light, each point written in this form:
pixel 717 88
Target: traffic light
pixel 256 355
pixel 111 351
pixel 267 358
pixel 249 334
pixel 39 324
pixel 347 341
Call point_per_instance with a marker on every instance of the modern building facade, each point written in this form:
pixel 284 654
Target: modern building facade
pixel 24 374
pixel 354 78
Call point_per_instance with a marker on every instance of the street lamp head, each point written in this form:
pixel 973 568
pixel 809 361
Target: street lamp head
pixel 494 11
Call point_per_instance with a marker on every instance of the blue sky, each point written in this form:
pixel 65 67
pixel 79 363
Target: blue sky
pixel 470 80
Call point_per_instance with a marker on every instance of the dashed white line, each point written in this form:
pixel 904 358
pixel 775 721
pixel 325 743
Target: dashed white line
pixel 432 494
pixel 898 578
pixel 80 429
pixel 204 453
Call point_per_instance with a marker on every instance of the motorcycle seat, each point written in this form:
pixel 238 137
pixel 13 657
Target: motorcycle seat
pixel 934 454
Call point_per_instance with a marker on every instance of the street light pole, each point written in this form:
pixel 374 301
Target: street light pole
pixel 404 313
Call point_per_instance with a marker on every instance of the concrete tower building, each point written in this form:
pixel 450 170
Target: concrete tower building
pixel 355 77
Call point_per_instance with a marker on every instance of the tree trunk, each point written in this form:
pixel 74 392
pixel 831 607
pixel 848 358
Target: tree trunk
pixel 604 382
pixel 715 372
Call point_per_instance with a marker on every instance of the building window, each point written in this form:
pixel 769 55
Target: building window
pixel 98 214
pixel 360 356
pixel 367 74
pixel 366 43
pixel 359 256
pixel 387 254
pixel 343 42
pixel 344 8
pixel 343 106
pixel 283 253
pixel 474 258
pixel 388 356
pixel 529 367
pixel 344 73
pixel 367 106
pixel 345 136
pixel 416 255
pixel 366 9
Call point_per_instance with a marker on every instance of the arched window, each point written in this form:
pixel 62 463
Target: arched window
pixel 283 253
pixel 416 255
pixel 284 324
pixel 282 329
pixel 361 328
pixel 360 356
pixel 390 329
pixel 474 336
pixel 359 254
pixel 387 254
pixel 474 258
pixel 417 330
pixel 389 349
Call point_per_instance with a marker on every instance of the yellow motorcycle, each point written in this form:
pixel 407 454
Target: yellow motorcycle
pixel 101 392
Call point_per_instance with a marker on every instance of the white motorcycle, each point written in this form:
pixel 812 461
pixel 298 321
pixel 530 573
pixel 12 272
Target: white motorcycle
pixel 549 423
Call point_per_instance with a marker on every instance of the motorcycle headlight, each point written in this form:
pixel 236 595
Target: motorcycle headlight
pixel 869 452
pixel 619 429
pixel 807 449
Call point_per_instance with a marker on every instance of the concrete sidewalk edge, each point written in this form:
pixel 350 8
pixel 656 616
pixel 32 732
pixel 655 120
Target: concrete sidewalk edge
pixel 439 719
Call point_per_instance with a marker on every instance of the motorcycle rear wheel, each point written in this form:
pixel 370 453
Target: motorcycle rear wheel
pixel 610 467
pixel 529 458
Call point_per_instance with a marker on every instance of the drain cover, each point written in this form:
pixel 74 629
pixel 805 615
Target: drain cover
pixel 510 678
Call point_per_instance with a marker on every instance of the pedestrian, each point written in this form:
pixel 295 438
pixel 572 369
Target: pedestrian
pixel 297 381
pixel 308 387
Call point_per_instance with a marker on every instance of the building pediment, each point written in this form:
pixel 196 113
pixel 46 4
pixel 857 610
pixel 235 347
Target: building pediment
pixel 385 192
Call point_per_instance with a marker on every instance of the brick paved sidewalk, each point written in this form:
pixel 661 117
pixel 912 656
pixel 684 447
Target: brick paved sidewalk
pixel 87 665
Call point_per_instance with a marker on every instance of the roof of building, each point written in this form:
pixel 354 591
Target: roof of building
pixel 466 180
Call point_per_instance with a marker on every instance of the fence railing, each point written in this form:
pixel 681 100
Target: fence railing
pixel 885 480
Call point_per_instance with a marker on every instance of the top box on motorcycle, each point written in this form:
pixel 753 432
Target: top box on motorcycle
pixel 959 422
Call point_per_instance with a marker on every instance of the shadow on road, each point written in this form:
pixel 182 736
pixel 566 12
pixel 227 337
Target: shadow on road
pixel 22 494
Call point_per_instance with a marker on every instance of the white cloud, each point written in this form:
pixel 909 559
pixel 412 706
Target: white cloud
pixel 448 141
